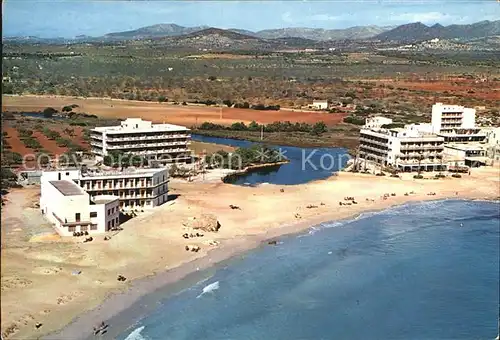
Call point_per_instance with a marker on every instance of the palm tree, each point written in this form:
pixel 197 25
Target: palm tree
pixel 420 159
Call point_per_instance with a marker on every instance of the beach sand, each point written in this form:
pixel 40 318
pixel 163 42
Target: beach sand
pixel 37 280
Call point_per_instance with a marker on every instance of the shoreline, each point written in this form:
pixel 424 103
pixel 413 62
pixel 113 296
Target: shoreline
pixel 118 302
pixel 249 169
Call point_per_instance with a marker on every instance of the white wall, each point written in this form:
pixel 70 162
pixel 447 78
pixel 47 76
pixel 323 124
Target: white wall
pixel 65 207
pixel 320 105
pixel 469 118
pixel 106 213
pixel 394 150
pixel 377 122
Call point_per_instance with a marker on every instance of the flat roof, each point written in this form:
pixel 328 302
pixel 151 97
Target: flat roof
pixel 117 173
pixel 153 128
pixel 67 188
pixel 103 199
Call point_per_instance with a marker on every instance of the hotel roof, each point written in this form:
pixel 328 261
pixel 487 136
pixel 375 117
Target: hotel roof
pixel 67 188
pixel 151 128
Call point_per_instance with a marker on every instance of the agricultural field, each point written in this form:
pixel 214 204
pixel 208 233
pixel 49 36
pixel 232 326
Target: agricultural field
pixel 26 139
pixel 187 115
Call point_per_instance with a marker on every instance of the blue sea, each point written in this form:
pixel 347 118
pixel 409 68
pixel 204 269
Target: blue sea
pixel 425 270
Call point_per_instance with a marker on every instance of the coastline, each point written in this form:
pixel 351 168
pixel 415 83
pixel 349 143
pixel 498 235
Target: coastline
pixel 80 328
pixel 150 252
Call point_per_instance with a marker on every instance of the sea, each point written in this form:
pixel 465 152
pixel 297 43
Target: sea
pixel 426 270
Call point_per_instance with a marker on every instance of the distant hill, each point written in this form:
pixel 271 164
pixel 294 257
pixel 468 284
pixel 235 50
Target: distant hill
pixel 418 31
pixel 212 38
pixel 296 36
pixel 319 34
pixel 160 30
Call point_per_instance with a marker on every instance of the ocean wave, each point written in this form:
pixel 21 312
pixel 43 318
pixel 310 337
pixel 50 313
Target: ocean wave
pixel 136 334
pixel 209 289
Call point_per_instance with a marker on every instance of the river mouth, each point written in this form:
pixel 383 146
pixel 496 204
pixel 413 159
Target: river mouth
pixel 305 164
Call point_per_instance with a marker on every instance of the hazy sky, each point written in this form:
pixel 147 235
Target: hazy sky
pixel 68 18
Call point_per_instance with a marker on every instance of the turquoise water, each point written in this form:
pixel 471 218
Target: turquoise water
pixel 306 164
pixel 403 273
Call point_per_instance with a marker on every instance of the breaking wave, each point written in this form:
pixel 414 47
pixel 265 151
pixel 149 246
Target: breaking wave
pixel 136 334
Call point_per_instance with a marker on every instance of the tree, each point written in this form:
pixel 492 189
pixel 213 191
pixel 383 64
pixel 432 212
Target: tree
pixel 162 99
pixel 227 102
pixel 49 112
pixel 67 109
pixel 253 126
pixel 212 78
pixel 318 128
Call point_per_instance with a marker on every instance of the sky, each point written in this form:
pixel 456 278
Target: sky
pixel 69 18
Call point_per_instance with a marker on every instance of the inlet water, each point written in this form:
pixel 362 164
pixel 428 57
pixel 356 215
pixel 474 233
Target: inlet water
pixel 398 274
pixel 306 164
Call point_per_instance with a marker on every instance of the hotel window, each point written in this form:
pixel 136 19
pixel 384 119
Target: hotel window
pixel 93 214
pixel 72 229
pixel 116 220
pixel 93 227
pixel 83 228
pixel 113 210
pixel 109 212
pixel 77 217
pixel 109 225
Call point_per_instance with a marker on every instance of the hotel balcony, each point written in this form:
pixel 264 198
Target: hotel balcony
pixel 422 147
pixel 143 145
pixel 95 143
pixel 371 148
pixel 373 141
pixel 112 139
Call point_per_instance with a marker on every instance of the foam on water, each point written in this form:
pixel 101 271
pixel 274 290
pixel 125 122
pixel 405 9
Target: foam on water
pixel 209 289
pixel 136 334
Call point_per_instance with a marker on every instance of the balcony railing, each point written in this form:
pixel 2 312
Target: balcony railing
pixel 372 149
pixel 143 145
pixel 424 146
pixel 111 138
pixel 372 141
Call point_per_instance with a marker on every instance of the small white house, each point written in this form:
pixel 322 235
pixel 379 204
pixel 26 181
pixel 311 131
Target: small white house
pixel 70 209
pixel 319 104
pixel 377 122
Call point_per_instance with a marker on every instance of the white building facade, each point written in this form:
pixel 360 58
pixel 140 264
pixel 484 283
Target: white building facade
pixel 165 143
pixel 70 209
pixel 320 104
pixel 456 124
pixel 376 122
pixel 446 118
pixel 136 189
pixel 405 149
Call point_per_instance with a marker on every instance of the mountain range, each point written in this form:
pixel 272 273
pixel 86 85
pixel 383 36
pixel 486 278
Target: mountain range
pixel 405 33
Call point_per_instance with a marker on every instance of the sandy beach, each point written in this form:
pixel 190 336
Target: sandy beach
pixel 150 253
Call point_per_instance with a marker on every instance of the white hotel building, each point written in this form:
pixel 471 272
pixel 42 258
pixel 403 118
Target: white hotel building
pixel 70 209
pixel 165 143
pixel 135 189
pixel 402 148
pixel 456 123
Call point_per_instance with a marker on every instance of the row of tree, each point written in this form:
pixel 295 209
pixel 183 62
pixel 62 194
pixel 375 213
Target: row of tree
pixel 287 126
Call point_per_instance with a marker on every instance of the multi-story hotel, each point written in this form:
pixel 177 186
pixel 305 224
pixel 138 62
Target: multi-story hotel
pixel 164 143
pixel 137 189
pixel 455 123
pixel 402 148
